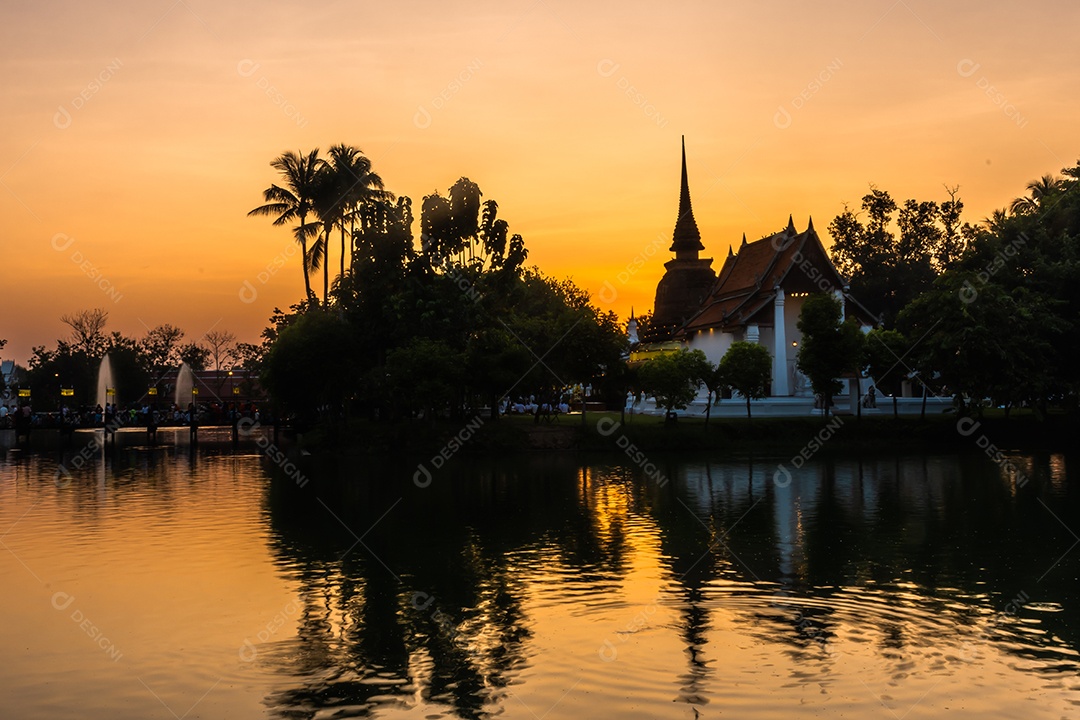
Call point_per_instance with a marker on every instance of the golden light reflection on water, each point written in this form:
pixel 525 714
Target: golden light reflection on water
pixel 918 586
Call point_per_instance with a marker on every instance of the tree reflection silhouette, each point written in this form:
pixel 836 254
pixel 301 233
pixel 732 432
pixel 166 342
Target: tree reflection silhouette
pixel 430 600
pixel 413 595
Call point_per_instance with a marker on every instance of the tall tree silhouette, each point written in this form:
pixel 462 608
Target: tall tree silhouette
pixel 346 187
pixel 460 227
pixel 357 189
pixel 295 201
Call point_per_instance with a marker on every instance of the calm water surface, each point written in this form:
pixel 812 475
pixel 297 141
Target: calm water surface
pixel 202 582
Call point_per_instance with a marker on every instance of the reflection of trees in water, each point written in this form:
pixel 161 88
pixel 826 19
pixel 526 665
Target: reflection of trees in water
pixel 918 549
pixel 443 619
pixel 904 549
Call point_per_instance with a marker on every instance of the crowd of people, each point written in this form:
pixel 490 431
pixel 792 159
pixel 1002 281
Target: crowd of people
pixel 529 406
pixel 23 417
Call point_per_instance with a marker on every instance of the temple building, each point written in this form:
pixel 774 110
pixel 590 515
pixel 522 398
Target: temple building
pixel 756 297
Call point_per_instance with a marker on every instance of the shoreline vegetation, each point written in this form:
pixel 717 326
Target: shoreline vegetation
pixel 786 436
pixel 423 320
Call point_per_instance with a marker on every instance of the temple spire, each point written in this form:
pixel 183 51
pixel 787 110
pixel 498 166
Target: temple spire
pixel 810 225
pixel 686 240
pixel 791 225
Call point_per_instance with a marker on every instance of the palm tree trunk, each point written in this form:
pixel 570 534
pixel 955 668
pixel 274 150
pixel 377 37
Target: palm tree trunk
pixel 342 275
pixel 303 260
pixel 307 276
pixel 326 267
pixel 352 239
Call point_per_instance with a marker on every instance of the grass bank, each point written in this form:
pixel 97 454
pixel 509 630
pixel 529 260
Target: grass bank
pixel 736 436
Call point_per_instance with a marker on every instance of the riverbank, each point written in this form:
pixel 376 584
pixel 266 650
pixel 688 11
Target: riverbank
pixel 609 431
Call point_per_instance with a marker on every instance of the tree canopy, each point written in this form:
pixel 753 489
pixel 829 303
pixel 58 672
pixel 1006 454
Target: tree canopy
pixel 998 319
pixel 674 378
pixel 747 369
pixel 442 327
pixel 890 262
pixel 830 347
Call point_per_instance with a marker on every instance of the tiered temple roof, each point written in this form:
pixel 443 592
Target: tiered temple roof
pixel 690 297
pixel 687 278
pixel 744 291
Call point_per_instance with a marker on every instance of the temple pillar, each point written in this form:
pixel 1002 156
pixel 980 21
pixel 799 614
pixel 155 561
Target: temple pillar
pixel 779 373
pixel 839 295
pixel 752 334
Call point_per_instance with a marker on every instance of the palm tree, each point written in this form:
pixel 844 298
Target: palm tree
pixel 327 208
pixel 997 220
pixel 348 189
pixel 1044 186
pixel 295 201
pixel 1040 189
pixel 1023 206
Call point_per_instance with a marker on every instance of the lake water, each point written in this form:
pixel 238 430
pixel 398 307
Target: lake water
pixel 184 581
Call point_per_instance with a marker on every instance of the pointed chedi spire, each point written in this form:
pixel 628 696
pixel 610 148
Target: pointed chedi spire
pixel 686 240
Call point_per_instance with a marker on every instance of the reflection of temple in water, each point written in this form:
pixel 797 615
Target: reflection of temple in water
pixel 434 604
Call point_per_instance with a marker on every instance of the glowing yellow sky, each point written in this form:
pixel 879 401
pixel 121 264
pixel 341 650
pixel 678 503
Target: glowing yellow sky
pixel 143 130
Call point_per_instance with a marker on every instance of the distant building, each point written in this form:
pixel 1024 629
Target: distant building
pixel 210 386
pixel 757 296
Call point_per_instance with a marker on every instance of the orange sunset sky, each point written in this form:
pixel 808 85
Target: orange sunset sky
pixel 137 135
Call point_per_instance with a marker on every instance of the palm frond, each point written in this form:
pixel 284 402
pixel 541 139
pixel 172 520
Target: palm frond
pixel 314 256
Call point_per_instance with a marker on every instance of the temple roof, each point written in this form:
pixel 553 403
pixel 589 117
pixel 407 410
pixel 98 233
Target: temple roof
pixel 686 236
pixel 749 279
